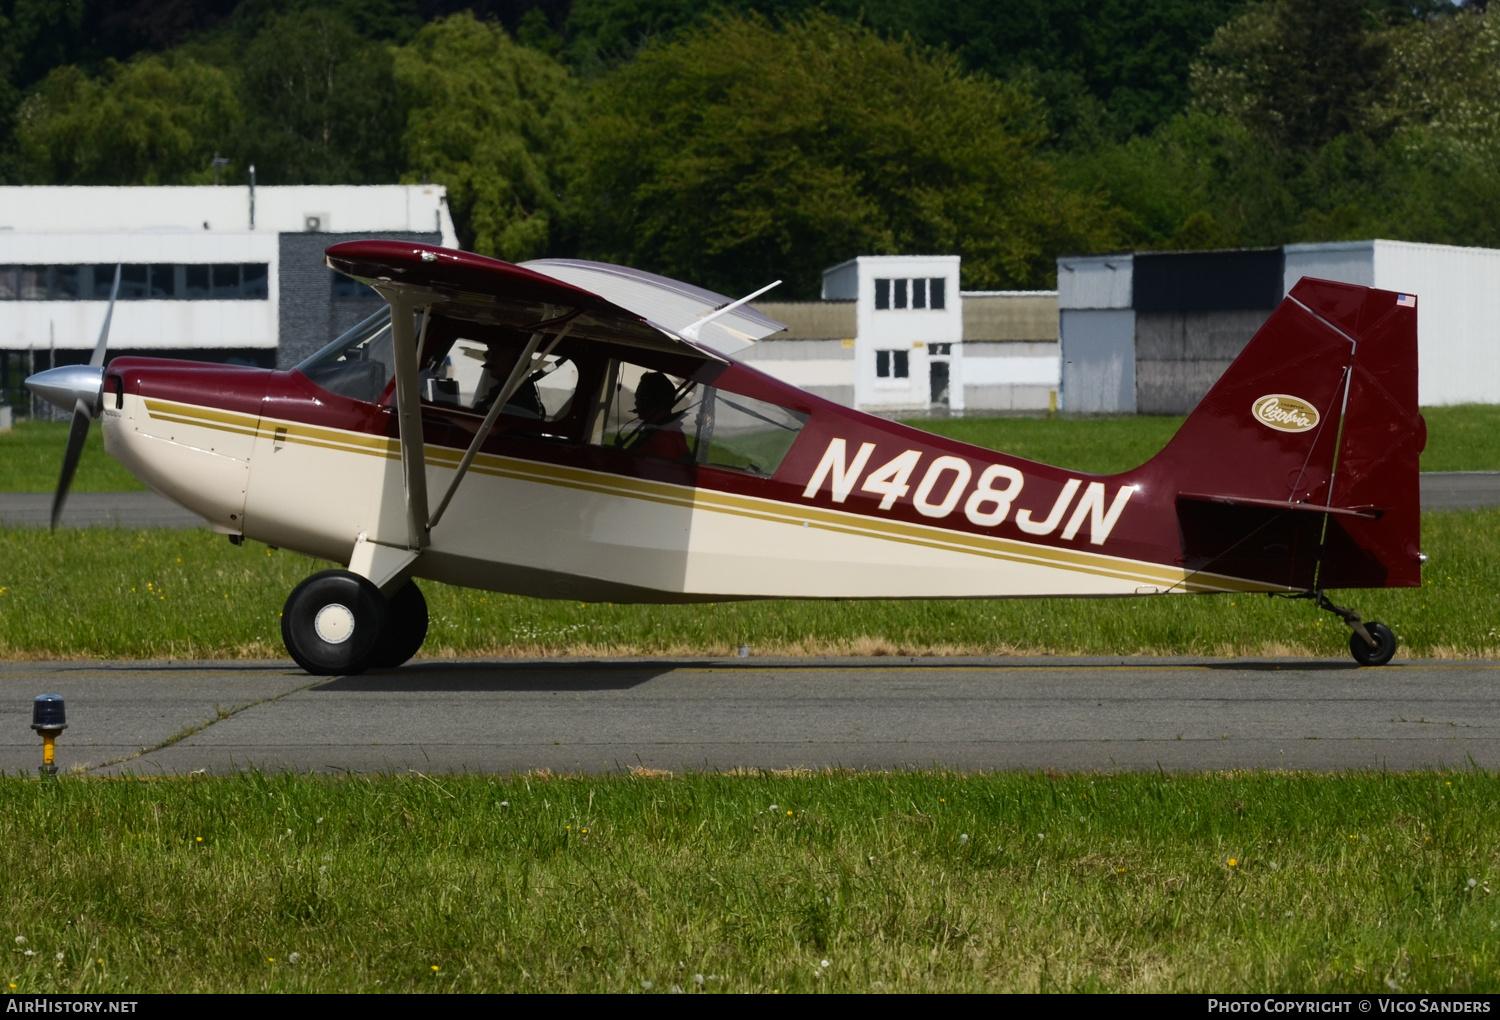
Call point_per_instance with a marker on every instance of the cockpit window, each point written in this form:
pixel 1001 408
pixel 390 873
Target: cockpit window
pixel 744 434
pixel 472 373
pixel 359 363
pixel 653 414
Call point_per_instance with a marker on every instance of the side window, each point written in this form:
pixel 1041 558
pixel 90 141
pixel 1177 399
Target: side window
pixel 647 413
pixel 744 434
pixel 473 373
pixel 653 414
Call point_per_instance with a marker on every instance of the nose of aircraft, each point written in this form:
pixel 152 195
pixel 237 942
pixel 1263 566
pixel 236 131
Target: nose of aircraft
pixel 66 385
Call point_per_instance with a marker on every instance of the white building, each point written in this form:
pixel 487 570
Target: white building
pixel 1458 306
pixel 894 335
pixel 214 273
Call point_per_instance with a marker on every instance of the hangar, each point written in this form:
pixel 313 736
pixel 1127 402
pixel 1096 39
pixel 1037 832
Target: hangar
pixel 1150 332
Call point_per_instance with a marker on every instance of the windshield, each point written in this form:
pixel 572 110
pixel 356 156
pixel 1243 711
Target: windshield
pixel 359 363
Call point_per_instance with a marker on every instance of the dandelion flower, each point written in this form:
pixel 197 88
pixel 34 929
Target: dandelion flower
pixel 59 957
pixel 789 814
pixel 963 837
pixel 434 967
pixel 1472 883
pixel 646 985
pixel 775 807
pixel 20 940
pixel 293 957
pixel 200 839
pixel 1233 861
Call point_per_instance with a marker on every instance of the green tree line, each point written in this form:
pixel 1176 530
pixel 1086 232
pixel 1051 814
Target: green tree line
pixel 727 142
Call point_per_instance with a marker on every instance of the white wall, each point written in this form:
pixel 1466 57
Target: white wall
pixel 1458 306
pixel 343 208
pixel 140 324
pixel 909 329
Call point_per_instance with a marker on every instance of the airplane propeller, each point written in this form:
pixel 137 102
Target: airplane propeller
pixel 79 388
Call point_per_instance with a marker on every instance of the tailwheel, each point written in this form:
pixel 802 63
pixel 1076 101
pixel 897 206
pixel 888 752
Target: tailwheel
pixel 334 623
pixel 407 629
pixel 1377 654
pixel 1371 644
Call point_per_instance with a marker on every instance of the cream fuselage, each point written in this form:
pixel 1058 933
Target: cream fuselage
pixel 552 530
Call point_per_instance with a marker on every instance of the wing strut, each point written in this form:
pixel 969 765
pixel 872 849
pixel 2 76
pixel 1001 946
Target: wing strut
pixel 525 365
pixel 406 344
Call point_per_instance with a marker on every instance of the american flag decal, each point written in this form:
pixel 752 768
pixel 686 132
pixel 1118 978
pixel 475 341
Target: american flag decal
pixel 1406 300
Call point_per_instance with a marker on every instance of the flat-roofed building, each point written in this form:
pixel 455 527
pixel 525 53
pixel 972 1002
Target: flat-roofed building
pixel 207 273
pixel 895 335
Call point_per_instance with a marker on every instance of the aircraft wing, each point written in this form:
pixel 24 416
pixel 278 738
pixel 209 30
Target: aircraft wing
pixel 660 299
pixel 462 285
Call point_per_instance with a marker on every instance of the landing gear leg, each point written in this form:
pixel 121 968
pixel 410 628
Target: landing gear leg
pixel 1371 644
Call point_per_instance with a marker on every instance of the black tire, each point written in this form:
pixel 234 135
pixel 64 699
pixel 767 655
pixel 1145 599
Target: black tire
pixel 1385 646
pixel 344 639
pixel 407 611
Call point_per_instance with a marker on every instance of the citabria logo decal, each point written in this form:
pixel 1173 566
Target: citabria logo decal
pixel 1284 413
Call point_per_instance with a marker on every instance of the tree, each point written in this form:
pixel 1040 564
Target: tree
pixel 1298 72
pixel 321 104
pixel 152 121
pixel 739 154
pixel 489 120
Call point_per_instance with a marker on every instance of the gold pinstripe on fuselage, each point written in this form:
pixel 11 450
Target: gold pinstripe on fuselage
pixel 1144 573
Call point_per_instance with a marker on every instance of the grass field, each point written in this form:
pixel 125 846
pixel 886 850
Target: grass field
pixel 190 594
pixel 1465 438
pixel 892 882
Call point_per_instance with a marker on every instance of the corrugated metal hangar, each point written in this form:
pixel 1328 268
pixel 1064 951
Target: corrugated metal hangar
pixel 1150 332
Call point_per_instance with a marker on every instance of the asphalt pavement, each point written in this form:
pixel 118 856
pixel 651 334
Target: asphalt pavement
pixel 682 715
pixel 1449 490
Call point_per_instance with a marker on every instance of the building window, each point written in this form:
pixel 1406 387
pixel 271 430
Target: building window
pixel 892 364
pixel 940 350
pixel 918 292
pixel 232 281
pixel 346 288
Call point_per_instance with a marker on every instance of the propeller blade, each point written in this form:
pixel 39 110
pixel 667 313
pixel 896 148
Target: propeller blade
pixel 76 436
pixel 98 359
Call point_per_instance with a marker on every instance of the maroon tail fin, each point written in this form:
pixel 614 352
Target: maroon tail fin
pixel 1300 466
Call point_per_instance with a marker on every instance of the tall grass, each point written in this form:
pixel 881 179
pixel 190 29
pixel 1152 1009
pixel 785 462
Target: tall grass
pixel 828 882
pixel 189 594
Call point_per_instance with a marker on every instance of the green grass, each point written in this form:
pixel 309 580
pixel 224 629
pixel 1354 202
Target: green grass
pixel 1463 438
pixel 894 882
pixel 190 594
pixel 31 456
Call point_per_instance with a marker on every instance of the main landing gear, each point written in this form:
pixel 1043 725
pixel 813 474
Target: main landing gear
pixel 337 622
pixel 1371 644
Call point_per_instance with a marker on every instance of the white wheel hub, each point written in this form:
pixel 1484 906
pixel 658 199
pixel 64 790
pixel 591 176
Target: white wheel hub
pixel 334 623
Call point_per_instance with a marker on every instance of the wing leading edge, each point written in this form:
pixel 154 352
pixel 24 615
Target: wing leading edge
pixel 462 285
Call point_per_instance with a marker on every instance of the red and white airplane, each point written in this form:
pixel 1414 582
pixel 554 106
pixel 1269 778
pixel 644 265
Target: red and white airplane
pixel 532 430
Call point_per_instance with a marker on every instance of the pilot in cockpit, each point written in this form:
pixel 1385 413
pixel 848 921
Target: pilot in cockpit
pixel 660 431
pixel 499 362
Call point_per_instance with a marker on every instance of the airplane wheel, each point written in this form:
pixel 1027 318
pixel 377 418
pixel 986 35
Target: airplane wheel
pixel 1385 646
pixel 333 623
pixel 408 627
